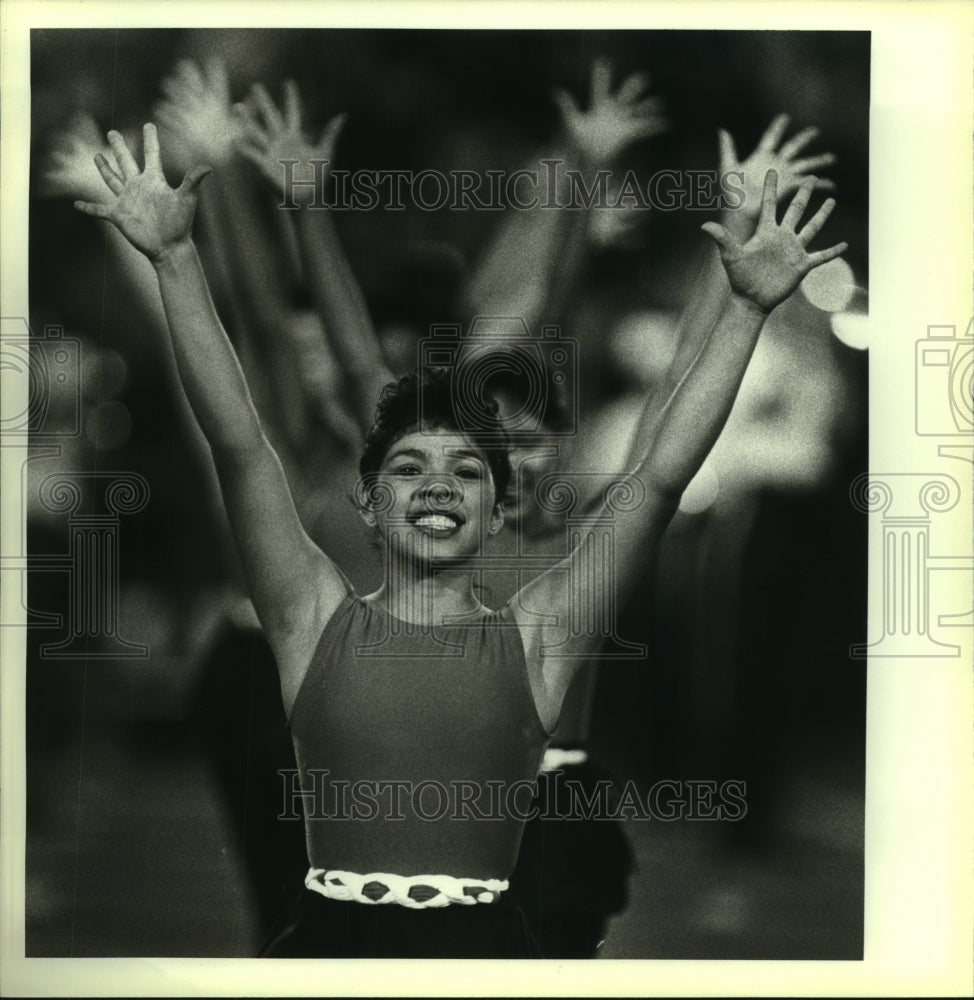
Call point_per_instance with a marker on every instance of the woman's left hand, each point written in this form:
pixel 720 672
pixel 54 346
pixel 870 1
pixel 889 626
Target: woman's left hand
pixel 772 263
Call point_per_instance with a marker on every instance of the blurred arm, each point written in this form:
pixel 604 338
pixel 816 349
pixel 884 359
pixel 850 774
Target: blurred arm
pixel 271 139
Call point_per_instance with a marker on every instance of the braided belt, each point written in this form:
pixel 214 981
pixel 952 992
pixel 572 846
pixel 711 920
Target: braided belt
pixel 418 892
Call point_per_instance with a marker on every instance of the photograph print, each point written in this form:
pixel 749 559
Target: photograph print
pixel 437 488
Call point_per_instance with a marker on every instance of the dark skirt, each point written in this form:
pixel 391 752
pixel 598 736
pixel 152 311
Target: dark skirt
pixel 318 927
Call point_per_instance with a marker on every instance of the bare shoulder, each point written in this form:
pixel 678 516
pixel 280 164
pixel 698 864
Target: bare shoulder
pixel 321 588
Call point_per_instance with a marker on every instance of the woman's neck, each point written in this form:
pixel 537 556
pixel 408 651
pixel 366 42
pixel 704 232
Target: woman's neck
pixel 429 599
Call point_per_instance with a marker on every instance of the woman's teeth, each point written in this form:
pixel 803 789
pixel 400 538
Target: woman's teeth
pixel 436 521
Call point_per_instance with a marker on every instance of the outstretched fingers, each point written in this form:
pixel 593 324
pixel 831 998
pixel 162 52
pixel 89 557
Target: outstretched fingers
pixel 150 146
pixel 179 90
pixel 218 79
pixel 728 153
pixel 190 74
pixel 127 166
pixel 799 203
pixel 798 142
pixel 566 104
pixel 813 227
pixel 169 117
pixel 774 133
pixel 721 236
pixel 630 88
pixel 251 152
pixel 650 107
pixel 292 106
pixel 192 179
pixel 769 199
pixel 93 208
pixel 824 256
pixel 112 180
pixel 83 129
pixel 824 184
pixel 332 130
pixel 601 80
pixel 813 163
pixel 267 107
pixel 250 133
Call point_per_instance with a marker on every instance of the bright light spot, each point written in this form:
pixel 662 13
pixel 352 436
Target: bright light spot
pixel 701 492
pixel 108 425
pixel 556 757
pixel 643 345
pixel 831 286
pixel 852 329
pixel 104 373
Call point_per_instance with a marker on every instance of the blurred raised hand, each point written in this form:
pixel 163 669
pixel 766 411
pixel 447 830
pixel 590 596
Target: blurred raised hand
pixel 195 115
pixel 68 169
pixel 614 120
pixel 771 154
pixel 270 135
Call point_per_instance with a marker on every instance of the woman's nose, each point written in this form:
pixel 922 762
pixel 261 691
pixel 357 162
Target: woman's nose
pixel 440 489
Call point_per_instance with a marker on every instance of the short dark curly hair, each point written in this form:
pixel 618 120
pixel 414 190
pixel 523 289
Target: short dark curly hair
pixel 425 399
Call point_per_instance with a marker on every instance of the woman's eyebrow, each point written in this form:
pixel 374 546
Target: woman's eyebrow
pixel 406 453
pixel 422 455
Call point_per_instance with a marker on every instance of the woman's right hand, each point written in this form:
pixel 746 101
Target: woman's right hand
pixel 152 216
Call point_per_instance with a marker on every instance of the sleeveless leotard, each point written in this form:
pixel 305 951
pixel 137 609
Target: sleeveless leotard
pixel 417 748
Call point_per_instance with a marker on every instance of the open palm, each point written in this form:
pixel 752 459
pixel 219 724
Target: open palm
pixel 151 215
pixel 784 161
pixel 770 266
pixel 270 138
pixel 613 121
pixel 196 114
pixel 69 168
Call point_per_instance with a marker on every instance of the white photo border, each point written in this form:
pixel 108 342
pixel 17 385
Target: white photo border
pixel 919 885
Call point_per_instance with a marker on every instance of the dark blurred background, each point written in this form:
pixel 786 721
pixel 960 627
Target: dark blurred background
pixel 151 781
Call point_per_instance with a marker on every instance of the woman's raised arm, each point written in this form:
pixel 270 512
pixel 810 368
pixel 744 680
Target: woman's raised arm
pixel 708 293
pixel 761 273
pixel 293 585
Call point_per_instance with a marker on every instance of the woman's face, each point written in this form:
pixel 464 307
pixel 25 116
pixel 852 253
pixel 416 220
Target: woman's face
pixel 436 496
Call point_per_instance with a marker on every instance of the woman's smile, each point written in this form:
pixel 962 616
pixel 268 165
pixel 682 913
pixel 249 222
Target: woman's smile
pixel 440 525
